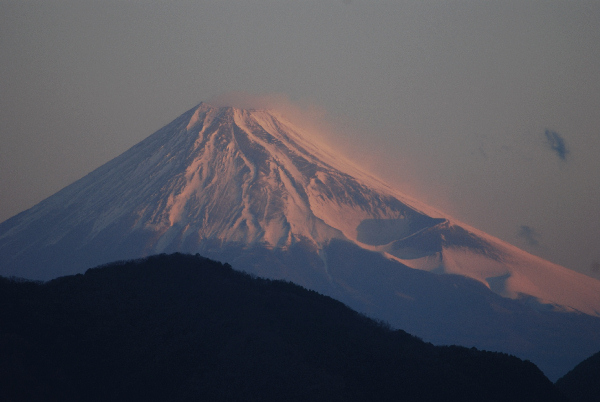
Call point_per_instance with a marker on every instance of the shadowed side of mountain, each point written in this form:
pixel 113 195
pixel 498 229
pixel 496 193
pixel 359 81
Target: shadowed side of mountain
pixel 182 327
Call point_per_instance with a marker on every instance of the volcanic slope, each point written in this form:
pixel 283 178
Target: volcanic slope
pixel 251 188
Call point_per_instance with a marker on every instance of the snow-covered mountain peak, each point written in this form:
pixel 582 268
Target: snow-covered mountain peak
pixel 253 178
pixel 249 187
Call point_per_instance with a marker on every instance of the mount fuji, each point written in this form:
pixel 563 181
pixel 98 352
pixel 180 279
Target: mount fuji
pixel 251 188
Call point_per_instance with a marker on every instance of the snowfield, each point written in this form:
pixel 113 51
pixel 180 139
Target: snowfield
pixel 252 177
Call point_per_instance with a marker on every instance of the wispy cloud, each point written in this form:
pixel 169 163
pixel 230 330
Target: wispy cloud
pixel 557 143
pixel 528 234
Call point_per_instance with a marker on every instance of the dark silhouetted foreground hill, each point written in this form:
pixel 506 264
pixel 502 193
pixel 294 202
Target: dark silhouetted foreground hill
pixel 582 384
pixel 181 327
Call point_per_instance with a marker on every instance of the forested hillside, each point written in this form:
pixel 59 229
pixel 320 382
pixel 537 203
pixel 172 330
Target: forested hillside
pixel 582 384
pixel 182 327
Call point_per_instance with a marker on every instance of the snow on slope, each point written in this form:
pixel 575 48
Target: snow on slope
pixel 503 268
pixel 252 177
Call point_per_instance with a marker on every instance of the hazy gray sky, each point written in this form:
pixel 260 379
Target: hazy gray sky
pixel 488 110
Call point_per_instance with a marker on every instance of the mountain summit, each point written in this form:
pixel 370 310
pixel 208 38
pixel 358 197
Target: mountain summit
pixel 251 188
pixel 250 177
